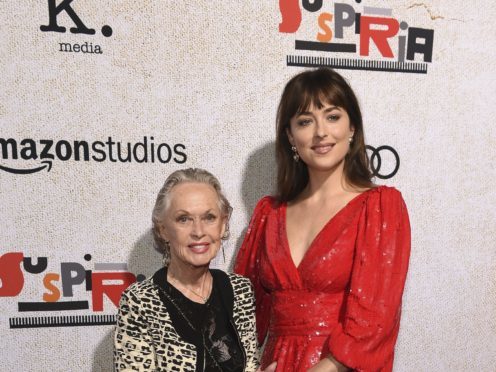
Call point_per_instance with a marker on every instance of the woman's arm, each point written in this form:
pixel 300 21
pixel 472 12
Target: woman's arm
pixel 247 263
pixel 252 353
pixel 133 347
pixel 329 364
pixel 365 337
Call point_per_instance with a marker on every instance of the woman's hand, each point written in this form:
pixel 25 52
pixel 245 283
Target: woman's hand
pixel 270 368
pixel 328 364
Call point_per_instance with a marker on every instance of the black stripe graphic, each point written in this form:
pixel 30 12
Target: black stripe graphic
pixel 62 321
pixel 53 306
pixel 357 64
pixel 325 47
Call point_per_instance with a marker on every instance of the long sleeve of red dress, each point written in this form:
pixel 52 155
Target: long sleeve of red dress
pixel 247 263
pixel 364 338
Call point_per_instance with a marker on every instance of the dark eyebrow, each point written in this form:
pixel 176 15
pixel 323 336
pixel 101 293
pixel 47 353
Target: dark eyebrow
pixel 332 108
pixel 181 211
pixel 329 109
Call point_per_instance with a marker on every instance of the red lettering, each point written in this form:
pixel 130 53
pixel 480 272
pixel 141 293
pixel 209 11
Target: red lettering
pixel 380 37
pixel 291 16
pixel 113 291
pixel 11 276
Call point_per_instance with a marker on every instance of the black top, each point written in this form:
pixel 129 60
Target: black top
pixel 208 326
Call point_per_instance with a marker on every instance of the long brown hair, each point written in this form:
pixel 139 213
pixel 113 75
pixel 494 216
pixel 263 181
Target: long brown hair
pixel 317 87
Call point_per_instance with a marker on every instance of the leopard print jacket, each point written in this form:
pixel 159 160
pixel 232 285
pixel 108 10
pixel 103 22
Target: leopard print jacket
pixel 145 338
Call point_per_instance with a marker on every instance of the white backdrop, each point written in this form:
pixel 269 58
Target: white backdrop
pixel 205 77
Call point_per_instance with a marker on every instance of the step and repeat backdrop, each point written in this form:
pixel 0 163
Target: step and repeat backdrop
pixel 101 100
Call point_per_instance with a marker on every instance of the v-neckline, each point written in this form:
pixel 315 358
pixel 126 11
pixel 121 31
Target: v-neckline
pixel 284 207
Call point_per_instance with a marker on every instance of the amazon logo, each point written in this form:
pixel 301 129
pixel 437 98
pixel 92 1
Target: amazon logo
pixel 28 149
pixel 44 152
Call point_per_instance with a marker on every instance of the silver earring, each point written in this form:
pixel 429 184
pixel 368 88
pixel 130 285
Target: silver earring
pixel 224 236
pixel 166 253
pixel 296 156
pixel 350 139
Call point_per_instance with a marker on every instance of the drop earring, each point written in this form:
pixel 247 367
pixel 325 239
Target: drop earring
pixel 166 253
pixel 296 156
pixel 225 236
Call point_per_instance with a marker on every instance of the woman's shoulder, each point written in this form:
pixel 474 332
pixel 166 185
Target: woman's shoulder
pixel 263 208
pixel 384 193
pixel 140 289
pixel 242 288
pixel 236 280
pixel 233 286
pixel 239 280
pixel 267 203
pixel 385 203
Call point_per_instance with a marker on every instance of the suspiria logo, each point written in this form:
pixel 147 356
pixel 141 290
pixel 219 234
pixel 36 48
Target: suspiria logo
pixel 57 289
pixel 397 44
pixel 43 152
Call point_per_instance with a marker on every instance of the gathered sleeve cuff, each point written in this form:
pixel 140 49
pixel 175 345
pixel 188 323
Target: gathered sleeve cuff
pixel 364 338
pixel 247 263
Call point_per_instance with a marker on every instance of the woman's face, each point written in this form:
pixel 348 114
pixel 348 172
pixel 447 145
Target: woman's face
pixel 193 224
pixel 321 136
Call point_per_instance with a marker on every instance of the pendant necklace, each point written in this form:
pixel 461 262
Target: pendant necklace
pixel 192 291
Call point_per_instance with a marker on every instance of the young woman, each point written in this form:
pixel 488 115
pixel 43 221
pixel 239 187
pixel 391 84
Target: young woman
pixel 328 255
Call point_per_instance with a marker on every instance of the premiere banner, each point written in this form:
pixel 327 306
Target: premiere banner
pixel 101 100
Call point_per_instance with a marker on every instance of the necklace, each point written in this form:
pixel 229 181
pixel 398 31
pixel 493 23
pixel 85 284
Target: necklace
pixel 178 308
pixel 192 291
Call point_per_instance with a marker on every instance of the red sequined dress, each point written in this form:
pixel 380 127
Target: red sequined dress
pixel 344 298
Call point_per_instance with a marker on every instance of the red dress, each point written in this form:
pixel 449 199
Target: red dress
pixel 344 298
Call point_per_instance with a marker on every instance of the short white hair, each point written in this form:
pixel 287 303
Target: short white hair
pixel 163 201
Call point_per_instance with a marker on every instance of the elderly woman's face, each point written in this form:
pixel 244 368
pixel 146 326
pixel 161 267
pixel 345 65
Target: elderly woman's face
pixel 193 224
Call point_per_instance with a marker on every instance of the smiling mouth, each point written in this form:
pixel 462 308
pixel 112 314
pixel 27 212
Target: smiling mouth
pixel 323 148
pixel 199 247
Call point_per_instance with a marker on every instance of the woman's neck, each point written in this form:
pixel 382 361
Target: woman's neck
pixel 187 275
pixel 322 184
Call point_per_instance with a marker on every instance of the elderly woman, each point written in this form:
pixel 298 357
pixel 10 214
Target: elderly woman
pixel 187 317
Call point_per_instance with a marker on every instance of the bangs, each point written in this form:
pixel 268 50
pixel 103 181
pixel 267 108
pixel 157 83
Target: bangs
pixel 317 95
